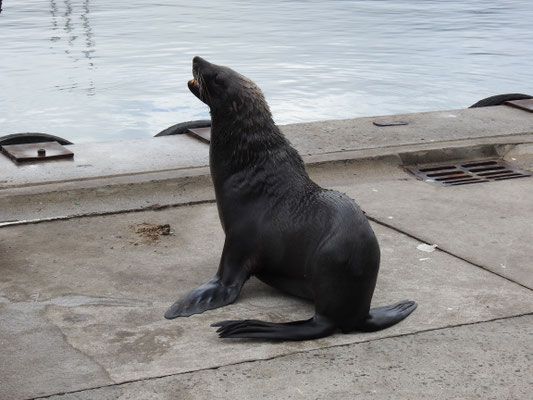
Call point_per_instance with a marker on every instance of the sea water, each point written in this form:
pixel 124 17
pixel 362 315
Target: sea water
pixel 100 70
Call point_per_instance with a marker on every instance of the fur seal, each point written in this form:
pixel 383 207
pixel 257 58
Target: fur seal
pixel 280 225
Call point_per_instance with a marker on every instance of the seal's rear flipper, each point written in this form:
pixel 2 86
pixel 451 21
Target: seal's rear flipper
pixel 382 317
pixel 211 294
pixel 314 328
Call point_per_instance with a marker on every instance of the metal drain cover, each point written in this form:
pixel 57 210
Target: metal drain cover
pixel 465 173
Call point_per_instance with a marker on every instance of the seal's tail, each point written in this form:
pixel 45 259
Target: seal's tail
pixel 314 328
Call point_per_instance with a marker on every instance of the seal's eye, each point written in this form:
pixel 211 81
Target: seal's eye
pixel 219 80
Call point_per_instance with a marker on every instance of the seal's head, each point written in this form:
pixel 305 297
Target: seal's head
pixel 225 91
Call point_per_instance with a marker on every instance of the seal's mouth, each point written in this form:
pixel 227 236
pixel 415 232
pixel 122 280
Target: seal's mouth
pixel 194 87
pixel 194 82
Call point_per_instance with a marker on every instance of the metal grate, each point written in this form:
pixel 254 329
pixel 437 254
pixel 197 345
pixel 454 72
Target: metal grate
pixel 468 172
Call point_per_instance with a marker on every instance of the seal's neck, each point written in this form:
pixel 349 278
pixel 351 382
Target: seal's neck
pixel 245 134
pixel 252 151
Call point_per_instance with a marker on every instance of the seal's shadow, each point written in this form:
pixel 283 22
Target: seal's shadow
pixel 255 291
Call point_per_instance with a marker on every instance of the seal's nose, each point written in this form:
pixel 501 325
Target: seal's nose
pixel 198 60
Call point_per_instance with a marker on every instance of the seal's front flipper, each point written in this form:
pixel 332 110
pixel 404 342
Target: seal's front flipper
pixel 382 317
pixel 212 294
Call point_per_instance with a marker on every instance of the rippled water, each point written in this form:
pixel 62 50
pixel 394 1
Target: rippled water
pixel 96 70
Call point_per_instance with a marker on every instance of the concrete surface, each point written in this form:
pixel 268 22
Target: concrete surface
pixel 109 159
pixel 494 363
pixel 175 153
pixel 82 295
pixel 95 295
pixel 485 224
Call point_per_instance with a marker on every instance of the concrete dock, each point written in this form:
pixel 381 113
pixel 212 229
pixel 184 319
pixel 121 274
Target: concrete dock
pixel 86 274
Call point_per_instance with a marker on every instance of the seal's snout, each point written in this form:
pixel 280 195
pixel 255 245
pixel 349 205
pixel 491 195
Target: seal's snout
pixel 202 70
pixel 193 83
pixel 199 61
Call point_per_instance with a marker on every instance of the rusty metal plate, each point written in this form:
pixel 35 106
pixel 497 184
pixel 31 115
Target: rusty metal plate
pixel 36 152
pixel 525 104
pixel 201 134
pixel 454 174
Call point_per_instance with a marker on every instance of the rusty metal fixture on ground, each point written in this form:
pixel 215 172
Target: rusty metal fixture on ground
pixel 525 104
pixel 183 127
pixel 23 153
pixel 201 134
pixel 464 173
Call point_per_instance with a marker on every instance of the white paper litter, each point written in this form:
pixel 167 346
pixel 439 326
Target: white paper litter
pixel 428 248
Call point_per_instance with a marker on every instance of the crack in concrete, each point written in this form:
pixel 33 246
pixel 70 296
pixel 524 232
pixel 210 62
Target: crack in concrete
pixel 444 250
pixel 280 356
pixel 37 308
pixel 77 301
pixel 96 178
pixel 32 326
pixel 436 142
pixel 153 207
pixel 66 339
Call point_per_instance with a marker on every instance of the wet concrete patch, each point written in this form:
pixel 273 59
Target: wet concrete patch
pixel 118 336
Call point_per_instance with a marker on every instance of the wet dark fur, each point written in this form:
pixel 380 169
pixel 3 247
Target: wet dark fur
pixel 280 226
